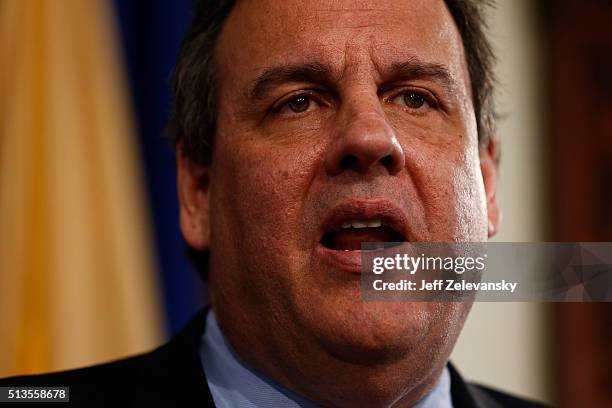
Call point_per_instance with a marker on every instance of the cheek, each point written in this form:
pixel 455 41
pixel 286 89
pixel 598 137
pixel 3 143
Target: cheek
pixel 471 210
pixel 466 200
pixel 450 189
pixel 260 189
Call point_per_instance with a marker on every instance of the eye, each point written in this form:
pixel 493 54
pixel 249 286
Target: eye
pixel 301 103
pixel 296 104
pixel 415 100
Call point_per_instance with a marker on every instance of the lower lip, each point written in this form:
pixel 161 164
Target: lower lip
pixel 351 261
pixel 347 261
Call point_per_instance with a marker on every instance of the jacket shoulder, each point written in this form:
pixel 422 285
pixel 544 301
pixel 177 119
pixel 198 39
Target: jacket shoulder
pixel 171 375
pixel 466 395
pixel 112 371
pixel 490 397
pixel 117 381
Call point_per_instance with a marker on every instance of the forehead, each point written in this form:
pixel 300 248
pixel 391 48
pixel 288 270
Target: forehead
pixel 341 34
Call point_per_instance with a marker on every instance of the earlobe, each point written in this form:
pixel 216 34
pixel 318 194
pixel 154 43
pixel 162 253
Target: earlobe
pixel 193 189
pixel 488 167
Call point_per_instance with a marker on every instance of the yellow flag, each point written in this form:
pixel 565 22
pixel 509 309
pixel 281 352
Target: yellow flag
pixel 77 277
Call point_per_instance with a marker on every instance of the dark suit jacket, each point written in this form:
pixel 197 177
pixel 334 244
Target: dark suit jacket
pixel 172 376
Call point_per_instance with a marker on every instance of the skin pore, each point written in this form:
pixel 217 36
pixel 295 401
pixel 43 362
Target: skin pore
pixel 328 106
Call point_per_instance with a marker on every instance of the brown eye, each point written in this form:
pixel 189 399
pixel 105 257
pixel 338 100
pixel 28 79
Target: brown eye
pixel 414 100
pixel 299 104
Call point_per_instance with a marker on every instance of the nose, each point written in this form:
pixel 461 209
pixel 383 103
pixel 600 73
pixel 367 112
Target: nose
pixel 364 140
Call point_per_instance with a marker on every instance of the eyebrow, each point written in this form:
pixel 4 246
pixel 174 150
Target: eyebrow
pixel 315 72
pixel 417 69
pixel 273 76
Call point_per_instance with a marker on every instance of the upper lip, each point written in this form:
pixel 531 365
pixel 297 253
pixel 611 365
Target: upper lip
pixel 366 209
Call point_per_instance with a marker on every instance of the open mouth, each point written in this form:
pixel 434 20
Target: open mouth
pixel 350 234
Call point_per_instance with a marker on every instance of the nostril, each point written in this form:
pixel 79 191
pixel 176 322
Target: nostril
pixel 387 161
pixel 349 161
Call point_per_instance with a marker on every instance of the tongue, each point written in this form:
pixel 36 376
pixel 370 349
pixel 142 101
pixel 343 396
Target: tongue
pixel 351 238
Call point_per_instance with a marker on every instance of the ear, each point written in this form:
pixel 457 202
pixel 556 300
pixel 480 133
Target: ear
pixel 488 167
pixel 193 181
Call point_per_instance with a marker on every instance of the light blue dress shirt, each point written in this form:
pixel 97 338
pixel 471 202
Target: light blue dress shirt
pixel 233 384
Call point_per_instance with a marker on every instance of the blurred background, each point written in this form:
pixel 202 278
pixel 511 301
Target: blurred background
pixel 92 264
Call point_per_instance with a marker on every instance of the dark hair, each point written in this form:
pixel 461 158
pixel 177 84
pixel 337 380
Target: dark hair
pixel 192 120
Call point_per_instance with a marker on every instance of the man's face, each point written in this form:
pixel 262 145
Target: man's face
pixel 337 113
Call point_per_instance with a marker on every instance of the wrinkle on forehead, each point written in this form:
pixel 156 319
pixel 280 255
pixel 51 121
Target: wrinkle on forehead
pixel 345 13
pixel 351 37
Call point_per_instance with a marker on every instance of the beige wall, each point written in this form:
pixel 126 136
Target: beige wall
pixel 506 345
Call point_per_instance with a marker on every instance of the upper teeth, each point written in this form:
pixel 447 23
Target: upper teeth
pixel 362 223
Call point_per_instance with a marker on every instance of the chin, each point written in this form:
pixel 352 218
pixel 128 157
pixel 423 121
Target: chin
pixel 374 333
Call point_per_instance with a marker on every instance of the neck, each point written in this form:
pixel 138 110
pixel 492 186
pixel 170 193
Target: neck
pixel 310 370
